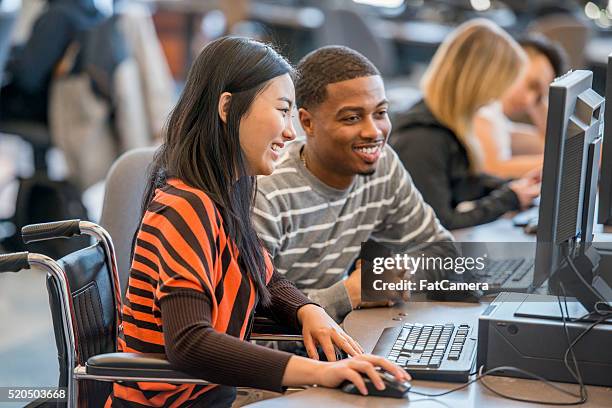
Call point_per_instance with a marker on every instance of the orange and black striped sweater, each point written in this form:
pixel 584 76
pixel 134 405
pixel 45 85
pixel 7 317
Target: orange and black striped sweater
pixel 189 300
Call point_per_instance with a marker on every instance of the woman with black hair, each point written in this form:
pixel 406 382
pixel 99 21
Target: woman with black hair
pixel 199 270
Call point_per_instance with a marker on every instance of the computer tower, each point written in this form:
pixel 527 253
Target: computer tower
pixel 525 331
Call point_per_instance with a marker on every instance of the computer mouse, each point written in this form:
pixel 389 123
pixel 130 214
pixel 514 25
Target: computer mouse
pixel 393 387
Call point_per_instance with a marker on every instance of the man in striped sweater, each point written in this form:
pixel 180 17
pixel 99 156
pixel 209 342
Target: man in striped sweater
pixel 343 186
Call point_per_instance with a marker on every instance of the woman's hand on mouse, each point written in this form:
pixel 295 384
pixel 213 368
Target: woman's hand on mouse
pixel 302 371
pixel 351 369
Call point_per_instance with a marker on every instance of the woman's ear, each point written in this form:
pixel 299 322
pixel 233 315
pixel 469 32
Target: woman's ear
pixel 224 103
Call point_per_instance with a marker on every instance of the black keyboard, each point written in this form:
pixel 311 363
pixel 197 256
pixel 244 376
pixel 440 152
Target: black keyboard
pixel 505 273
pixel 444 352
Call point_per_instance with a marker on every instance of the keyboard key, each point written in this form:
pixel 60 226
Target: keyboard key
pixel 521 273
pixel 404 334
pixel 415 365
pixel 434 363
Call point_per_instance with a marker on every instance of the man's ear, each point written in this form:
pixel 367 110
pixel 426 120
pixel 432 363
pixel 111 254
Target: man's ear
pixel 306 121
pixel 224 103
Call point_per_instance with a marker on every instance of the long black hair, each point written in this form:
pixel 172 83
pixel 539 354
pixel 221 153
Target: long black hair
pixel 205 153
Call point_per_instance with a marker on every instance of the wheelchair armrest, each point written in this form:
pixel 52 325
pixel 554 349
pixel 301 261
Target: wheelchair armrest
pixel 113 367
pixel 266 329
pixel 133 365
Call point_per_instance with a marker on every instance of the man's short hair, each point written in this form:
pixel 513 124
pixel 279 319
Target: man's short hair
pixel 554 53
pixel 328 65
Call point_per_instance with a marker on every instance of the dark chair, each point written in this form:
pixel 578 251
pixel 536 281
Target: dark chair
pixel 36 134
pixel 85 300
pixel 7 22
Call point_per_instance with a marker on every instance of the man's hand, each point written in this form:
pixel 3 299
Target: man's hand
pixel 353 288
pixel 319 328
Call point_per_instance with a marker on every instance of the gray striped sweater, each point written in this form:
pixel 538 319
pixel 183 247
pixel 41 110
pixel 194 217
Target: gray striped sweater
pixel 314 232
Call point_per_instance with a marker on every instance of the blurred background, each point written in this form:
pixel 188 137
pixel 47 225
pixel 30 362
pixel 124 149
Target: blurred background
pixel 82 81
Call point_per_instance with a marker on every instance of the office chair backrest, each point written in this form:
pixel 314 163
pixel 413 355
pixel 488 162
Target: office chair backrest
pixel 121 210
pixel 7 22
pixel 87 272
pixel 359 37
pixel 572 33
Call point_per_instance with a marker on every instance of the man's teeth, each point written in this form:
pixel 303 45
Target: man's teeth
pixel 367 150
pixel 275 147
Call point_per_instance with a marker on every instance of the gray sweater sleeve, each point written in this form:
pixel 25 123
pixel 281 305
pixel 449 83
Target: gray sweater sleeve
pixel 334 300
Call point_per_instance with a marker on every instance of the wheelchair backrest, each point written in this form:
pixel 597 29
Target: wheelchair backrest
pixel 94 318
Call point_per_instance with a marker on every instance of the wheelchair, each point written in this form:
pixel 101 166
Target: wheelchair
pixel 85 301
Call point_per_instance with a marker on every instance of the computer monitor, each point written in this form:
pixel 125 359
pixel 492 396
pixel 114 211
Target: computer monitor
pixel 569 188
pixel 605 181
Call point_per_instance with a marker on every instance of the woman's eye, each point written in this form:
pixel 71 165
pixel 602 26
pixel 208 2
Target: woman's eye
pixel 285 111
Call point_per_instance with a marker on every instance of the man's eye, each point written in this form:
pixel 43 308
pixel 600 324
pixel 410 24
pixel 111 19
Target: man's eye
pixel 382 113
pixel 351 119
pixel 285 111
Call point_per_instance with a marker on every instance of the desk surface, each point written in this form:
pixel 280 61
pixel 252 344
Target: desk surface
pixel 366 326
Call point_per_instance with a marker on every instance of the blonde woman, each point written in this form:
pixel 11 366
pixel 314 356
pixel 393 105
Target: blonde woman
pixel 474 66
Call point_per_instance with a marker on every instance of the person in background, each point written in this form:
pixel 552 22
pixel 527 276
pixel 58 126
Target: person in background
pixel 199 270
pixel 342 186
pixel 512 148
pixel 474 66
pixel 30 69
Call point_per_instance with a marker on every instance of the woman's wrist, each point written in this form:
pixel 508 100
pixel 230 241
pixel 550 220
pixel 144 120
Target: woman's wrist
pixel 301 371
pixel 306 309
